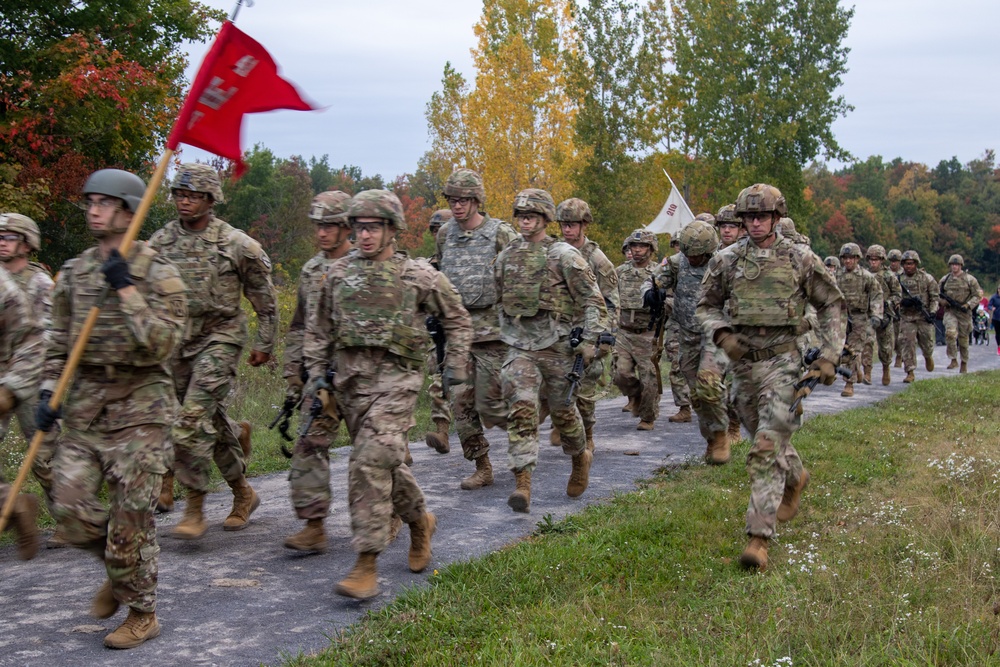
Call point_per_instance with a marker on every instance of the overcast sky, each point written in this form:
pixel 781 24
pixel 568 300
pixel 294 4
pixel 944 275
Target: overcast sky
pixel 924 77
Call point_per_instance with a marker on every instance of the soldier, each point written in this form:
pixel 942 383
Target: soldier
pixel 635 373
pixel 369 326
pixel 217 262
pixel 678 383
pixel 573 216
pixel 730 231
pixel 863 298
pixel 787 229
pixel 961 294
pixel 895 258
pixel 916 314
pixel 118 411
pixel 700 360
pixel 766 282
pixel 832 265
pixel 440 406
pixel 891 294
pixel 545 287
pixel 467 247
pixel 309 476
pixel 19 237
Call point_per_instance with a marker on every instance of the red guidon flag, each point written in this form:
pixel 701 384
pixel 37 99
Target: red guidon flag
pixel 237 77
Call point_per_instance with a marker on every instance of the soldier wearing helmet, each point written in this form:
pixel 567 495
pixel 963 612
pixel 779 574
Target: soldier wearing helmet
pixel 961 294
pixel 729 226
pixel 309 479
pixel 918 305
pixel 895 258
pixel 753 306
pixel 219 263
pixel 466 250
pixel 116 416
pixel 891 294
pixel 545 288
pixel 832 264
pixel 863 297
pixel 369 328
pixel 440 404
pixel 635 372
pixel 787 228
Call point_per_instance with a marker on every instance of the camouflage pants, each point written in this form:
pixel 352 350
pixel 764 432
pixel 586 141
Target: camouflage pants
pixel 585 395
pixel 703 370
pixel 522 377
pixel 131 461
pixel 855 343
pixel 884 341
pixel 678 384
pixel 479 403
pixel 309 474
pixel 41 467
pixel 634 372
pixel 440 406
pixel 914 331
pixel 378 481
pixel 203 432
pixel 957 329
pixel 764 392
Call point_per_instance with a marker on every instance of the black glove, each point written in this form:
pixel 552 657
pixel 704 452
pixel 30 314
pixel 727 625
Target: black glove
pixel 929 319
pixel 910 302
pixel 653 299
pixel 45 417
pixel 115 271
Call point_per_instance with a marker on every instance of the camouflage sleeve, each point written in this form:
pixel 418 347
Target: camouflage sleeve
pixel 714 294
pixel 895 291
pixel 505 234
pixel 498 279
pixel 296 334
pixel 975 293
pixel 444 302
pixel 255 274
pixel 40 299
pixel 57 347
pixel 824 295
pixel 439 240
pixel 317 342
pixel 24 339
pixel 875 297
pixel 586 295
pixel 933 294
pixel 157 319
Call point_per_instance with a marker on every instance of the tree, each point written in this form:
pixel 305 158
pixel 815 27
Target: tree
pixel 868 223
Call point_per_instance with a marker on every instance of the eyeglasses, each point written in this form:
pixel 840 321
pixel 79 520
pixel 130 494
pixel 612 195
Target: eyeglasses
pixel 181 195
pixel 750 217
pixel 103 202
pixel 526 215
pixel 460 201
pixel 366 227
pixel 11 238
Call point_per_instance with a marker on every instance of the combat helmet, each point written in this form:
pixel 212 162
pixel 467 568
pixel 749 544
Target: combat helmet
pixel 574 210
pixel 912 254
pixel 440 217
pixel 956 259
pixel 330 207
pixel 23 225
pixel 875 251
pixel 705 217
pixel 760 198
pixel 894 255
pixel 116 183
pixel 850 250
pixel 465 183
pixel 534 200
pixel 698 238
pixel 727 215
pixel 643 236
pixel 832 261
pixel 377 204
pixel 198 178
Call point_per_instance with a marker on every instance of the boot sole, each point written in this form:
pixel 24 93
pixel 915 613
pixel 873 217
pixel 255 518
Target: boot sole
pixel 357 595
pixel 439 446
pixel 310 548
pixel 188 536
pixel 519 504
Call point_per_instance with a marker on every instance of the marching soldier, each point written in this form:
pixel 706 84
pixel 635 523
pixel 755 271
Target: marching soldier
pixel 440 405
pixel 895 258
pixel 916 314
pixel 891 294
pixel 671 344
pixel 863 297
pixel 635 373
pixel 961 293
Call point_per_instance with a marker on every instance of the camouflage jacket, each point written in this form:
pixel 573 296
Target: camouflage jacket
pixel 467 258
pixel 546 289
pixel 963 288
pixel 780 280
pixel 634 315
pixel 677 276
pixel 22 350
pixel 311 280
pixel 217 263
pixel 382 306
pixel 36 285
pixel 891 292
pixel 862 293
pixel 922 286
pixel 607 278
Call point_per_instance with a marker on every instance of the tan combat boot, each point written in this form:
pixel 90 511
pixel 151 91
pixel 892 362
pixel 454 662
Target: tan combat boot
pixel 137 628
pixel 438 439
pixel 520 500
pixel 645 426
pixel 482 477
pixel 867 377
pixel 789 506
pixel 104 604
pixel 630 406
pixel 964 368
pixel 421 532
pixel 310 538
pixel 755 555
pixel 245 501
pixel 244 439
pixel 24 521
pixel 165 503
pixel 682 417
pixel 899 362
pixel 718 449
pixel 579 478
pixel 886 379
pixel 554 438
pixel 589 432
pixel 734 431
pixel 909 377
pixel 929 364
pixel 848 389
pixel 58 539
pixel 953 364
pixel 361 583
pixel 192 525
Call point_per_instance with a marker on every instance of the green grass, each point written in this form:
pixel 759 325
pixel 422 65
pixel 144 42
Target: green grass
pixel 892 561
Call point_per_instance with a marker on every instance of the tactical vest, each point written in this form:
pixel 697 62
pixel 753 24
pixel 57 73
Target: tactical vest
pixel 958 289
pixel 312 278
pixel 852 286
pixel 630 279
pixel 687 293
pixel 467 259
pixel 764 291
pixel 375 307
pixel 526 283
pixel 111 341
pixel 213 285
pixel 917 285
pixel 23 277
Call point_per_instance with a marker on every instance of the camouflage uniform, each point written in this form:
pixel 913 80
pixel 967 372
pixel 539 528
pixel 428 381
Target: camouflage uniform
pixel 913 327
pixel 440 404
pixel 964 289
pixel 766 291
pixel 117 414
pixel 634 374
pixel 885 337
pixel 863 298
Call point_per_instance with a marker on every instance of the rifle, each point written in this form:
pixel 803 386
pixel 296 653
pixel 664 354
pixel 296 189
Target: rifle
pixel 912 301
pixel 316 405
pixel 812 354
pixel 436 330
pixel 285 416
pixel 576 373
pixel 657 322
pixel 951 301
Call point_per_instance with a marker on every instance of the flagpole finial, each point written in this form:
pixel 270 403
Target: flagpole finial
pixel 236 9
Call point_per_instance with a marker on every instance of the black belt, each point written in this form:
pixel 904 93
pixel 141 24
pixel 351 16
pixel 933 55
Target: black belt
pixel 770 352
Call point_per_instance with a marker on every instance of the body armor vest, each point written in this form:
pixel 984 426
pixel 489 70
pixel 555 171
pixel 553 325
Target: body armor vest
pixel 527 284
pixel 958 289
pixel 630 279
pixel 375 307
pixel 23 277
pixel 917 284
pixel 686 294
pixel 313 276
pixel 467 259
pixel 213 286
pixel 852 286
pixel 764 292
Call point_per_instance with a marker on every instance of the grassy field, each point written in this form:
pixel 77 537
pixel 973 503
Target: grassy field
pixel 892 561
